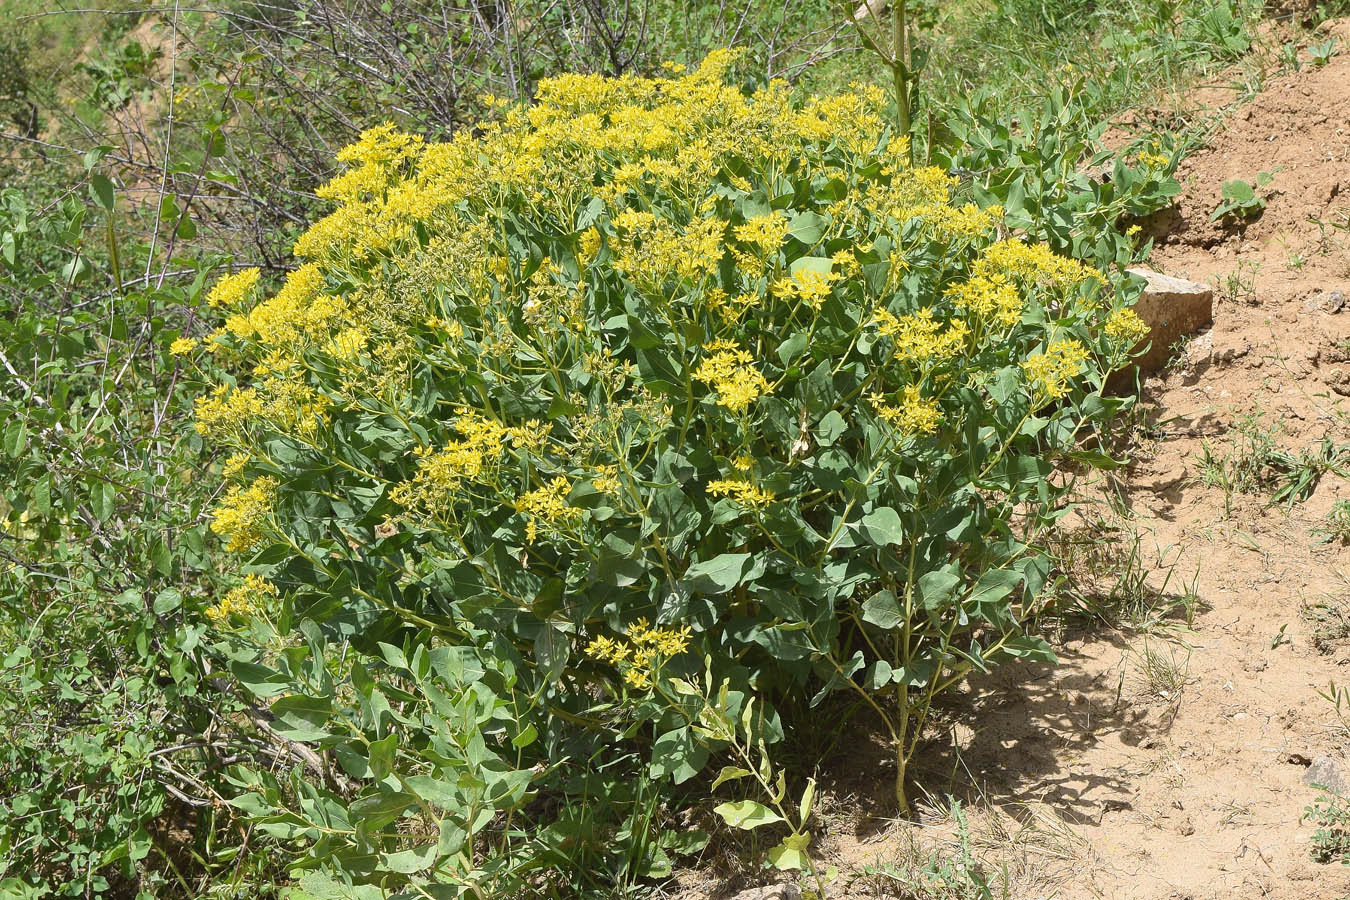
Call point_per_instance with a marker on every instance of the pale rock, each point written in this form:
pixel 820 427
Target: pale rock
pixel 1172 308
pixel 1325 772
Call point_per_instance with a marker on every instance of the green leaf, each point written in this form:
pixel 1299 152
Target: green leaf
pixel 935 588
pixel 166 601
pixel 526 737
pixel 102 497
pixel 882 610
pixel 301 717
pixel 16 438
pixel 792 347
pixel 721 573
pixel 790 854
pixel 822 264
pixel 729 773
pixel 882 527
pixel 678 755
pixel 808 227
pixel 808 799
pixel 408 862
pixel 381 756
pixel 102 190
pixel 747 814
pixel 379 809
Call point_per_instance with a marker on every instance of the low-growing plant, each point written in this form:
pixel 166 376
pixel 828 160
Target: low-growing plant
pixel 1330 812
pixel 1323 51
pixel 653 375
pixel 1240 200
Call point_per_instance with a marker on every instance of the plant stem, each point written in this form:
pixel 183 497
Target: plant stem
pixel 899 56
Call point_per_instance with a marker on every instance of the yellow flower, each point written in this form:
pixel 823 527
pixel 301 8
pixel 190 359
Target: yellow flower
pixel 232 289
pixel 913 415
pixel 183 346
pixel 1048 373
pixel 1125 327
pixel 743 492
pixel 766 232
pixel 727 368
pixel 549 505
pixel 244 601
pixel 918 336
pixel 241 514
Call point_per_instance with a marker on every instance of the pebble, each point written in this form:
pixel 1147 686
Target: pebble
pixel 1326 773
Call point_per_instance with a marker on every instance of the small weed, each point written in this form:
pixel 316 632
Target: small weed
pixel 1331 841
pixel 1296 262
pixel 1241 282
pixel 1257 464
pixel 1104 577
pixel 1337 527
pixel 1329 621
pixel 1289 56
pixel 957 875
pixel 1240 199
pixel 1164 675
pixel 1323 51
pixel 1339 697
pixel 1296 476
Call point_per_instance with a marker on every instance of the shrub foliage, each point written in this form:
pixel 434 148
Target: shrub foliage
pixel 577 445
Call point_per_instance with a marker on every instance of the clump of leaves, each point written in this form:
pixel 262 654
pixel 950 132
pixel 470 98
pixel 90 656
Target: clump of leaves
pixel 1322 51
pixel 1337 524
pixel 1240 200
pixel 1330 812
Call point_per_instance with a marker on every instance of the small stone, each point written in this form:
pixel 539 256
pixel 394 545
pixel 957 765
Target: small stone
pixel 1333 301
pixel 1172 307
pixel 1325 772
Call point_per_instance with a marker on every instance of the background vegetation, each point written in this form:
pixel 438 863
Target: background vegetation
pixel 151 150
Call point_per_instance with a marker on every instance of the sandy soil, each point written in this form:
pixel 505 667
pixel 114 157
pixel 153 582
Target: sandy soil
pixel 1168 762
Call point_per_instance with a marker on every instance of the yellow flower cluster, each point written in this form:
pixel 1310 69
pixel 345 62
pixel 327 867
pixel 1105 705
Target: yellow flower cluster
pixel 919 336
pixel 549 504
pixel 375 161
pixel 809 285
pixel 1030 263
pixel 280 319
pixel 1125 327
pixel 241 513
pixel 1154 160
pixel 730 308
pixel 588 245
pixel 1048 373
pixel 642 653
pixel 766 232
pixel 729 371
pixel 743 492
pixel 472 458
pixel 244 601
pixel 913 414
pixel 227 415
pixel 653 249
pixel 182 346
pixel 988 298
pixel 233 289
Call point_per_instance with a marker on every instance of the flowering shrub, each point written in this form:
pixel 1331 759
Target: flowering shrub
pixel 652 384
